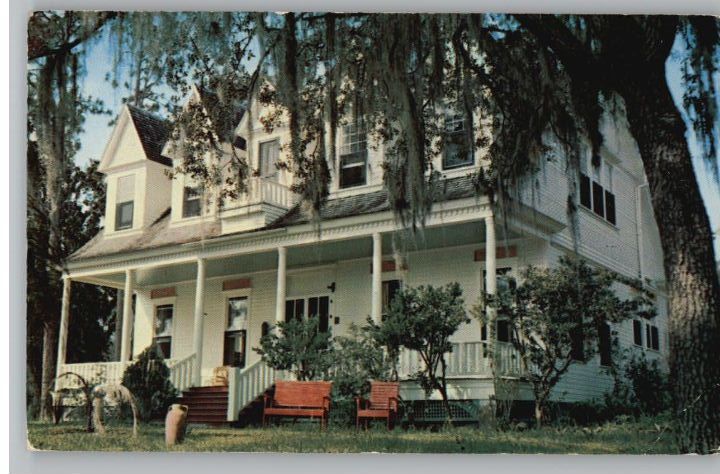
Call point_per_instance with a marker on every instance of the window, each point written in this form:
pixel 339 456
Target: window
pixel 457 146
pixel 124 198
pixel 597 197
pixel 605 344
pixel 637 332
pixel 294 309
pixel 353 156
pixel 264 329
pixel 192 202
pixel 163 330
pixel 269 155
pixel 124 215
pixel 504 333
pixel 235 333
pixel 652 337
pixel 389 290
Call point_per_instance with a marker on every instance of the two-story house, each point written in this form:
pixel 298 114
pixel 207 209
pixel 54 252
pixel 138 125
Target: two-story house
pixel 209 281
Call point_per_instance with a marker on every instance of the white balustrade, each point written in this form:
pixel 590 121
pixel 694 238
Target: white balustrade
pixel 182 371
pixel 92 372
pixel 467 359
pixel 245 385
pixel 264 191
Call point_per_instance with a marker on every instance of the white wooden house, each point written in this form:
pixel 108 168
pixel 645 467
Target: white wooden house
pixel 208 282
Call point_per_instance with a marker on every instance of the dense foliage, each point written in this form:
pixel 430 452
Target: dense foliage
pixel 556 315
pixel 300 347
pixel 148 379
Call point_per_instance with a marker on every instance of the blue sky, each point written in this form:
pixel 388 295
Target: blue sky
pixel 97 131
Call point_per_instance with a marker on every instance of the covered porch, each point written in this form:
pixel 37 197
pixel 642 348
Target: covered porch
pixel 228 292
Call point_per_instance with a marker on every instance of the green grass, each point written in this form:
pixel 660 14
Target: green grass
pixel 626 438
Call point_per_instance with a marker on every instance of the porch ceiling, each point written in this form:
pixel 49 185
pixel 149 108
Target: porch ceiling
pixel 322 253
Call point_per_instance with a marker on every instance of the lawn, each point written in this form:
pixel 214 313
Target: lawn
pixel 626 438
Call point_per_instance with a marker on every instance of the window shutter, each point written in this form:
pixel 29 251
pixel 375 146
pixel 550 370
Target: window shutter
pixel 648 336
pixel 605 343
pixel 585 191
pixel 655 338
pixel 637 332
pixel 598 199
pixel 610 207
pixel 125 189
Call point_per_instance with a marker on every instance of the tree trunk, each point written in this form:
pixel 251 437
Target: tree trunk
pixel 539 413
pixel 48 368
pixel 689 260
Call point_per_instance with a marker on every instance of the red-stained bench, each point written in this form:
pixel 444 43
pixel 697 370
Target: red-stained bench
pixel 383 403
pixel 299 399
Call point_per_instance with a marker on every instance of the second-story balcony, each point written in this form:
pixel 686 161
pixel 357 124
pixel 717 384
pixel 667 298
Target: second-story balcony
pixel 266 199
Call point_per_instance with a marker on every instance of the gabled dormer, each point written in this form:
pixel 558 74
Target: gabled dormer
pixel 138 189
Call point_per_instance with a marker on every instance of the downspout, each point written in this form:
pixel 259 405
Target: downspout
pixel 639 231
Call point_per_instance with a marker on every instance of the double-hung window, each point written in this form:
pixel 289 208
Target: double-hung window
pixel 163 330
pixel 192 202
pixel 596 193
pixel 652 337
pixel 353 156
pixel 125 202
pixel 457 146
pixel 269 155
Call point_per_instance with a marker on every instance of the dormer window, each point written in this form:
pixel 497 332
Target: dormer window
pixel 457 149
pixel 192 202
pixel 269 154
pixel 353 156
pixel 125 199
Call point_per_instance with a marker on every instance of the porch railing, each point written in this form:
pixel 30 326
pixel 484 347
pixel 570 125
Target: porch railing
pixel 467 359
pixel 245 385
pixel 182 371
pixel 92 372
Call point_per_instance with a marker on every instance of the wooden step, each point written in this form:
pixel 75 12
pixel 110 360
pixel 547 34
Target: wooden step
pixel 210 389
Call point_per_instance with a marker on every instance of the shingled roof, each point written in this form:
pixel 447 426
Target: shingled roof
pixel 153 132
pixel 369 203
pixel 161 234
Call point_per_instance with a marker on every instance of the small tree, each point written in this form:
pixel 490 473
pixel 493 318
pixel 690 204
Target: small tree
pixel 148 379
pixel 423 319
pixel 556 315
pixel 298 346
pixel 358 359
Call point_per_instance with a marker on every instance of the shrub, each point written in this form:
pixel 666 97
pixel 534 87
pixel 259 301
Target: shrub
pixel 298 346
pixel 148 379
pixel 641 388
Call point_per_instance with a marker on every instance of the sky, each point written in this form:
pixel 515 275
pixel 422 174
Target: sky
pixel 97 130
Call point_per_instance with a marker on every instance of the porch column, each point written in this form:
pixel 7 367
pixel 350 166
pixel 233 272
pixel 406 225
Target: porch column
pixel 118 324
pixel 198 321
pixel 376 298
pixel 64 322
pixel 127 326
pixel 281 285
pixel 490 256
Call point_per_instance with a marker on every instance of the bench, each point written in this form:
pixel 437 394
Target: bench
pixel 383 403
pixel 299 399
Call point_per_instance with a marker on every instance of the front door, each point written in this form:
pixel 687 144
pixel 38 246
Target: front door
pixel 312 306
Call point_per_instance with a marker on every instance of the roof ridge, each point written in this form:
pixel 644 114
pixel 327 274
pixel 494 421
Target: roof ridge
pixel 147 113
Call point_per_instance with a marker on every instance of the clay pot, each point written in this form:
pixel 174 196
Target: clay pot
pixel 175 423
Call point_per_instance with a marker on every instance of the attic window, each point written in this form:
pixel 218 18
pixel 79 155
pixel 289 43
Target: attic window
pixel 192 202
pixel 269 154
pixel 124 199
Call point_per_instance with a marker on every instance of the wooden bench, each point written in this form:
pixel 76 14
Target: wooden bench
pixel 299 399
pixel 383 403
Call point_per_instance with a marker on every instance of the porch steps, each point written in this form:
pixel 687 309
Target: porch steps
pixel 206 405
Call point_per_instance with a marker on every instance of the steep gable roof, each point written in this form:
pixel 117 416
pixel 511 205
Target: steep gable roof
pixel 153 132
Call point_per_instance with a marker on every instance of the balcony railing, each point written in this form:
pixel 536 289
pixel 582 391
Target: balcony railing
pixel 264 191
